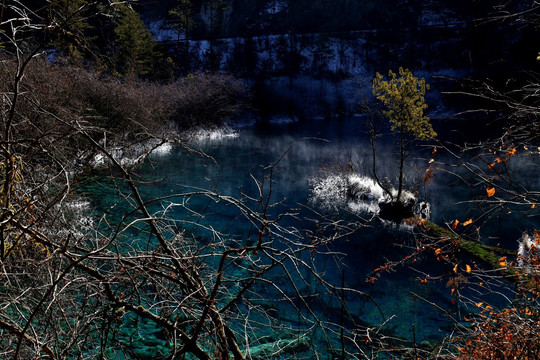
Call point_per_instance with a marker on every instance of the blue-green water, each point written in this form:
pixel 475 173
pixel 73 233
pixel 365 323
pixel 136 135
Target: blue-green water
pixel 310 151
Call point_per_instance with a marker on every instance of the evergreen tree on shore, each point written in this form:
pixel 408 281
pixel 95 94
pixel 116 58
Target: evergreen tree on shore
pixel 134 53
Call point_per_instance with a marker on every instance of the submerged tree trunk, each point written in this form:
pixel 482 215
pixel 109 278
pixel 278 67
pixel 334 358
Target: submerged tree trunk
pixel 374 161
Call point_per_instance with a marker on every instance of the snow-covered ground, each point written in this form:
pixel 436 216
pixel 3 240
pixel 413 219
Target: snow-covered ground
pixel 204 135
pixel 130 155
pixel 354 192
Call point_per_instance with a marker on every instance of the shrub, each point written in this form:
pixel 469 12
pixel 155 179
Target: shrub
pixel 71 93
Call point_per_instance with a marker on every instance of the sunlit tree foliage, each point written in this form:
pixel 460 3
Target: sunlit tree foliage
pixel 403 97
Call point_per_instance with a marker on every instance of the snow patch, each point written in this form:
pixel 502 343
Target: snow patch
pixel 213 134
pixel 330 192
pixel 78 205
pixel 355 192
pixel 163 149
pixel 527 249
pixel 275 7
pixel 130 155
pixel 363 187
pixel 161 32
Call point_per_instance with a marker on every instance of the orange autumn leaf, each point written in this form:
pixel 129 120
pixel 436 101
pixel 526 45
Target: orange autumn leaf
pixel 533 206
pixel 512 152
pixel 438 252
pixel 468 268
pixel 468 222
pixel 498 160
pixel 490 166
pixel 455 224
pixel 502 261
pixel 455 268
pixel 536 234
pixel 490 191
pixel 479 304
pixel 423 281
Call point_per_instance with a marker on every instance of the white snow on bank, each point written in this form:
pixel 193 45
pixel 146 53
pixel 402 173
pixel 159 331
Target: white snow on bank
pixel 98 161
pixel 202 135
pixel 330 192
pixel 354 192
pixel 163 149
pixel 130 155
pixel 78 205
pixel 124 156
pixel 528 248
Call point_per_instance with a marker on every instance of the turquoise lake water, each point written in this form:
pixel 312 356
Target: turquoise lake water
pixel 319 149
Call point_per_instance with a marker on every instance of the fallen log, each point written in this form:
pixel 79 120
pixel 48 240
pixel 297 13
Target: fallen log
pixel 491 256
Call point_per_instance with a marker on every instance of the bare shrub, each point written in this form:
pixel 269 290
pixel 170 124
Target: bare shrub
pixel 104 101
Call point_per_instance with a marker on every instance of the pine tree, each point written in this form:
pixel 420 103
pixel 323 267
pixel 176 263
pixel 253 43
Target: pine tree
pixel 403 97
pixel 182 19
pixel 215 11
pixel 71 17
pixel 135 46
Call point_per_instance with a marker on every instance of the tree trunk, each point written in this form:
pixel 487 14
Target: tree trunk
pixel 401 163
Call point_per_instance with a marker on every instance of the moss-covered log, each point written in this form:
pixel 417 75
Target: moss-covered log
pixel 488 255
